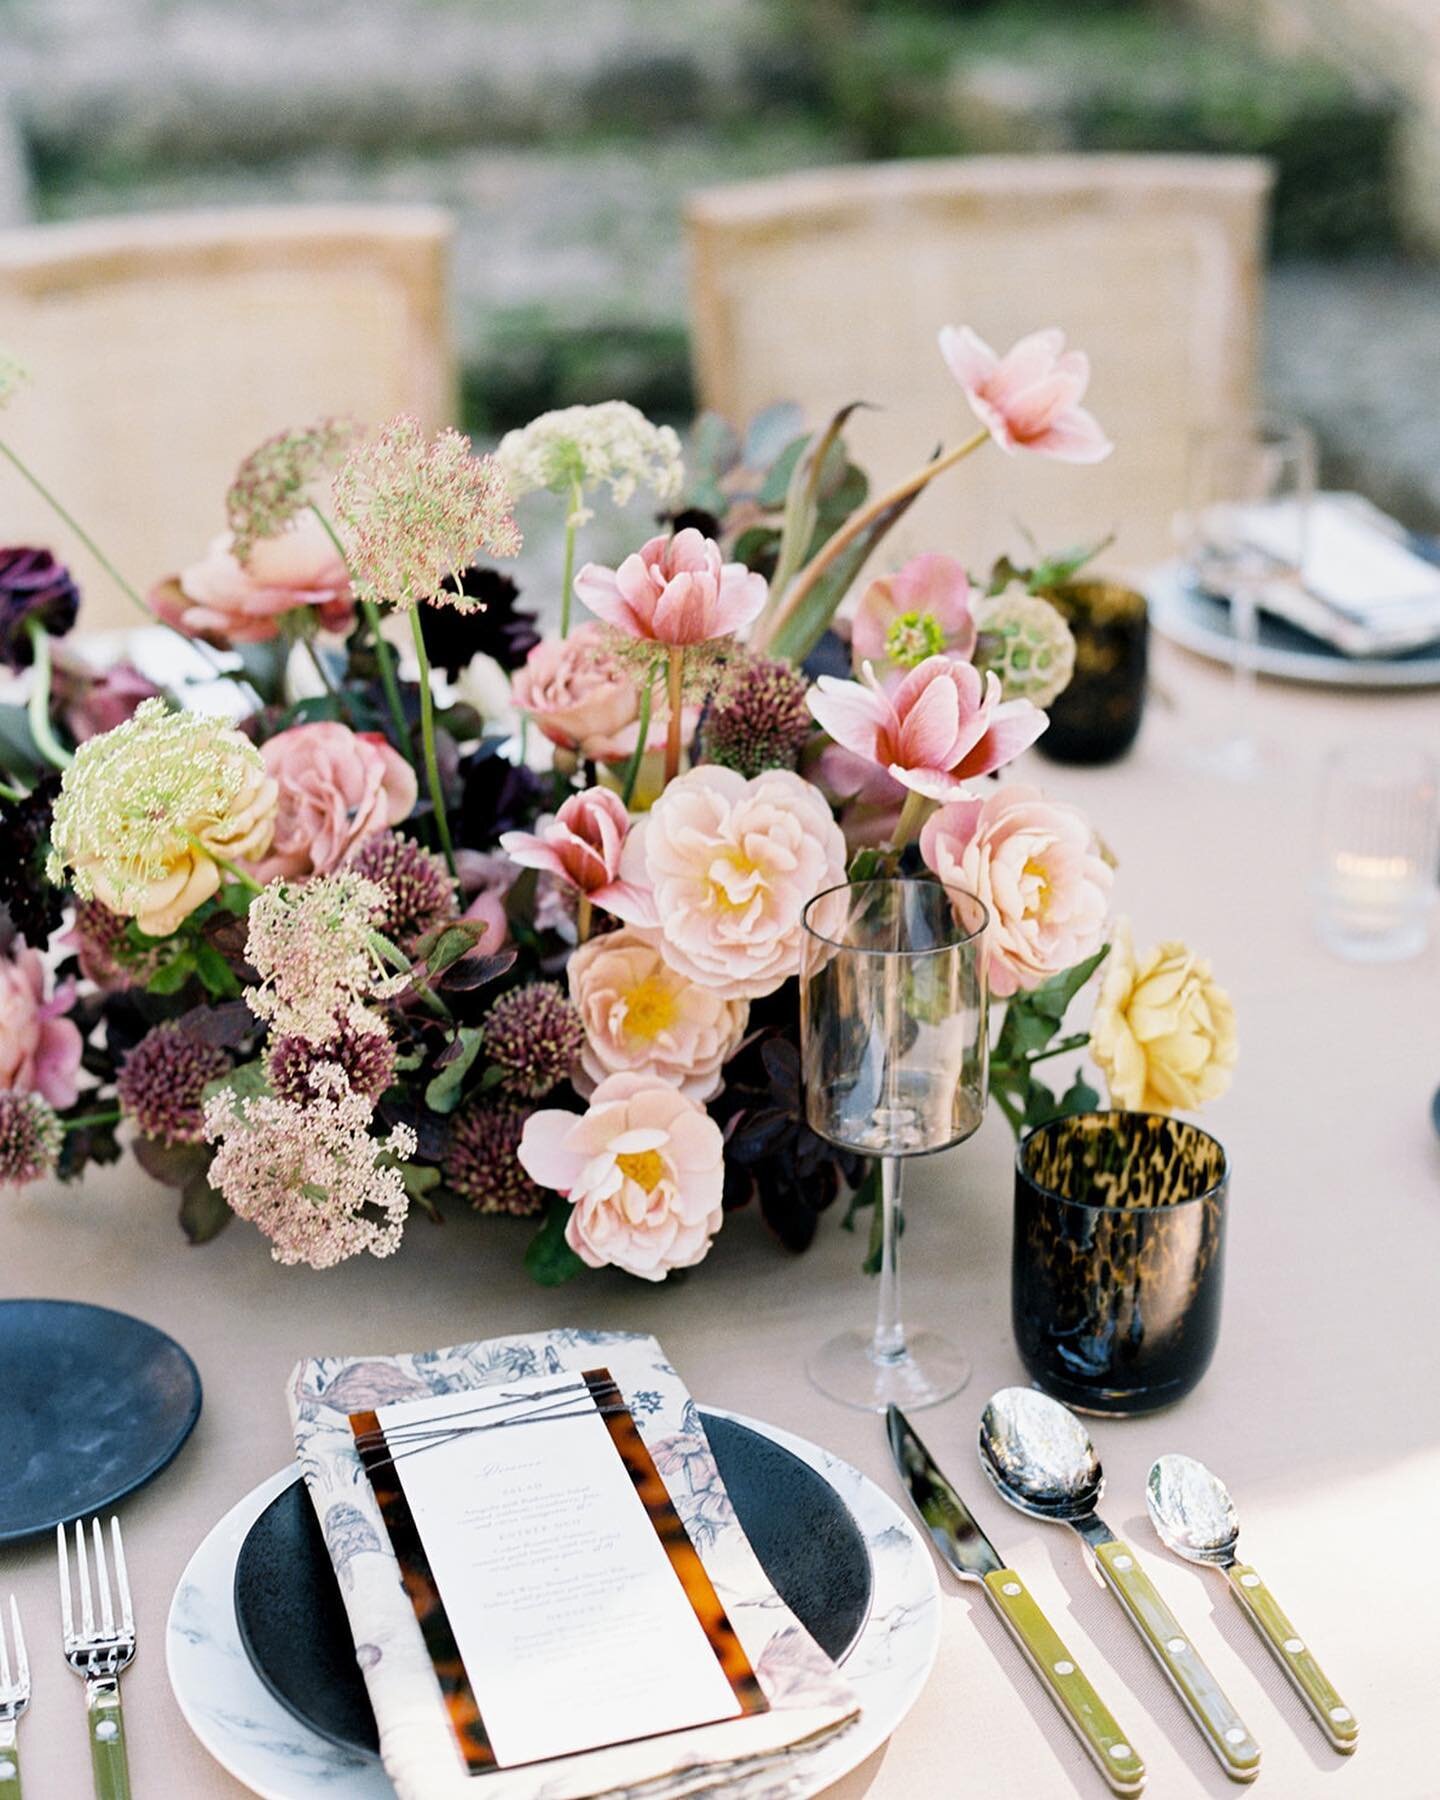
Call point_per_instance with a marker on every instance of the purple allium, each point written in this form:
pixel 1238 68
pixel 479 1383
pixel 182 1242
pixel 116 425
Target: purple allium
pixel 419 888
pixel 761 721
pixel 162 1080
pixel 366 1057
pixel 534 1034
pixel 481 1164
pixel 30 1139
pixel 32 586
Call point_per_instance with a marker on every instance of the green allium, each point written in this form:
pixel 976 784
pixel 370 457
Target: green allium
pixel 1026 643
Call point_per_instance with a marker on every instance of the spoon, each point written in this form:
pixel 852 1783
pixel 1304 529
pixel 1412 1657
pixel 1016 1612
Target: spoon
pixel 1038 1456
pixel 1193 1513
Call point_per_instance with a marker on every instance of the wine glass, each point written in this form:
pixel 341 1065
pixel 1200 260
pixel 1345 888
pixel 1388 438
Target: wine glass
pixel 1243 532
pixel 894 1049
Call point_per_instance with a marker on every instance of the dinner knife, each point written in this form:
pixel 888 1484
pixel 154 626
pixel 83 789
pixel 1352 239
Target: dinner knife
pixel 964 1547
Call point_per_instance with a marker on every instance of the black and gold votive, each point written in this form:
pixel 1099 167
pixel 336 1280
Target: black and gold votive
pixel 1097 716
pixel 1116 1269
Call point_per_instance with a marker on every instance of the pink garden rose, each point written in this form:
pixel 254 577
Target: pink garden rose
pixel 674 590
pixel 942 726
pixel 577 693
pixel 39 1048
pixel 642 1015
pixel 1028 399
pixel 581 845
pixel 337 787
pixel 244 603
pixel 727 866
pixel 644 1169
pixel 1036 866
pixel 921 610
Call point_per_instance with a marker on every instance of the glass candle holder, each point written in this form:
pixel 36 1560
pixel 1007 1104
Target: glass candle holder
pixel 1379 852
pixel 1097 717
pixel 1116 1270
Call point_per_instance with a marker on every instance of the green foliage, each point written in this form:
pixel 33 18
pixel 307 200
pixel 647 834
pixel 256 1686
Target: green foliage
pixel 204 1212
pixel 1027 1037
pixel 549 1259
pixel 443 1093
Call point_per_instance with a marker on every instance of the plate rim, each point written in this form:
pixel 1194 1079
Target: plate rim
pixel 132 1484
pixel 848 1751
pixel 705 1412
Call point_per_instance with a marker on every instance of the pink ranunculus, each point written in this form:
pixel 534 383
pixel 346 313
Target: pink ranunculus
pixel 99 703
pixel 942 726
pixel 1028 399
pixel 337 787
pixel 644 1170
pixel 577 693
pixel 674 590
pixel 244 603
pixel 921 610
pixel 39 1048
pixel 1036 866
pixel 640 1014
pixel 581 845
pixel 725 867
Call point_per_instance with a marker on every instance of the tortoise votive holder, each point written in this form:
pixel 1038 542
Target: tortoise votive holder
pixel 1117 1259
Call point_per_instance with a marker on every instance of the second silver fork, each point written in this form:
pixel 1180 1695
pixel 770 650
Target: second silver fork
pixel 99 1653
pixel 14 1698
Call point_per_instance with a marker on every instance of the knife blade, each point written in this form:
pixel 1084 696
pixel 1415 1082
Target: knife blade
pixel 965 1549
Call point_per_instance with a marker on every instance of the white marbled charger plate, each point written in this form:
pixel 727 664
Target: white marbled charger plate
pixel 274 1755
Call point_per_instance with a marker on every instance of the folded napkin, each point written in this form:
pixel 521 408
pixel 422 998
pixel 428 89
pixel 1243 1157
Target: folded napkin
pixel 760 1756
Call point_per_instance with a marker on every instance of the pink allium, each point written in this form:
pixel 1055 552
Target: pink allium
pixel 922 610
pixel 310 1176
pixel 337 788
pixel 103 701
pixel 674 590
pixel 580 846
pixel 939 728
pixel 726 867
pixel 578 694
pixel 39 1047
pixel 644 1170
pixel 641 1015
pixel 1028 399
pixel 419 892
pixel 1036 866
pixel 30 1139
pixel 162 1081
pixel 245 603
pixel 417 510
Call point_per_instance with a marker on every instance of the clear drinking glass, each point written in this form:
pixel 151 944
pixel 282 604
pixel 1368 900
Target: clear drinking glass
pixel 894 1045
pixel 1243 530
pixel 1379 851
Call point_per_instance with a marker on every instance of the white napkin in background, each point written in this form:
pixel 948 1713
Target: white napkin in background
pixel 759 1757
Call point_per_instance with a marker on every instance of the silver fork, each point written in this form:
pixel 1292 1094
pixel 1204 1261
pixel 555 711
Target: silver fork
pixel 100 1655
pixel 14 1698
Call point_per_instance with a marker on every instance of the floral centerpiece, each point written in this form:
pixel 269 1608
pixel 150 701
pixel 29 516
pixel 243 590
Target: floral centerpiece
pixel 476 915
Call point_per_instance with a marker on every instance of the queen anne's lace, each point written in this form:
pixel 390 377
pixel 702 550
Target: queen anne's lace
pixel 417 511
pixel 314 948
pixel 306 1175
pixel 579 447
pixel 275 480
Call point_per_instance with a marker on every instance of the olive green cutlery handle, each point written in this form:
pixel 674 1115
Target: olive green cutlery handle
pixel 1088 1715
pixel 1225 1731
pixel 1289 1649
pixel 9 1763
pixel 108 1760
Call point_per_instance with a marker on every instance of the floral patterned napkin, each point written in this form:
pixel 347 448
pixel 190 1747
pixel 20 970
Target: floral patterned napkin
pixel 759 1757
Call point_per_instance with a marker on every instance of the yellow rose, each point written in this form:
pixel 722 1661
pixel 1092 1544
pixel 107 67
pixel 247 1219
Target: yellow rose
pixel 1163 1033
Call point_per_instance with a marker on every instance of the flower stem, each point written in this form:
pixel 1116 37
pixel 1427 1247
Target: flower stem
pixel 1077 1041
pixel 384 655
pixel 66 518
pixel 46 742
pixel 326 680
pixel 100 1118
pixel 675 724
pixel 858 521
pixel 427 731
pixel 632 768
pixel 232 869
pixel 13 794
pixel 567 578
pixel 582 919
pixel 912 817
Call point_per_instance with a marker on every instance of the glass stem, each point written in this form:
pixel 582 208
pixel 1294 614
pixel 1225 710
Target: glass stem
pixel 889 1344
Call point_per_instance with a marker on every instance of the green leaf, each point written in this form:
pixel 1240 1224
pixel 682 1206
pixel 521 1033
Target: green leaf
pixel 450 943
pixel 442 1095
pixel 1079 1097
pixel 1039 1103
pixel 204 1213
pixel 866 1194
pixel 866 864
pixel 549 1258
pixel 1064 565
pixel 1031 1020
pixel 492 1078
pixel 216 975
pixel 769 432
pixel 245 1082
pixel 173 976
pixel 822 463
pixel 1052 999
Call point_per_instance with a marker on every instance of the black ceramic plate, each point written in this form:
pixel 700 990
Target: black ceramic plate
pixel 92 1404
pixel 294 1629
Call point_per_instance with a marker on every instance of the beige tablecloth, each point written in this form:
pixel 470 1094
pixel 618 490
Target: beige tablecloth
pixel 1322 1409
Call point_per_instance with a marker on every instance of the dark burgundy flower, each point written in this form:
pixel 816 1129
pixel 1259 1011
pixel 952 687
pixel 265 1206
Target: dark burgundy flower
pixel 493 625
pixel 32 901
pixel 32 586
pixel 495 795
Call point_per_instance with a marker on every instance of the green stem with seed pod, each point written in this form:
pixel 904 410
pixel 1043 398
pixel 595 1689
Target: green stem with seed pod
pixel 674 734
pixel 632 768
pixel 567 578
pixel 427 732
pixel 384 654
pixel 38 712
pixel 67 519
pixel 100 1118
pixel 13 794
